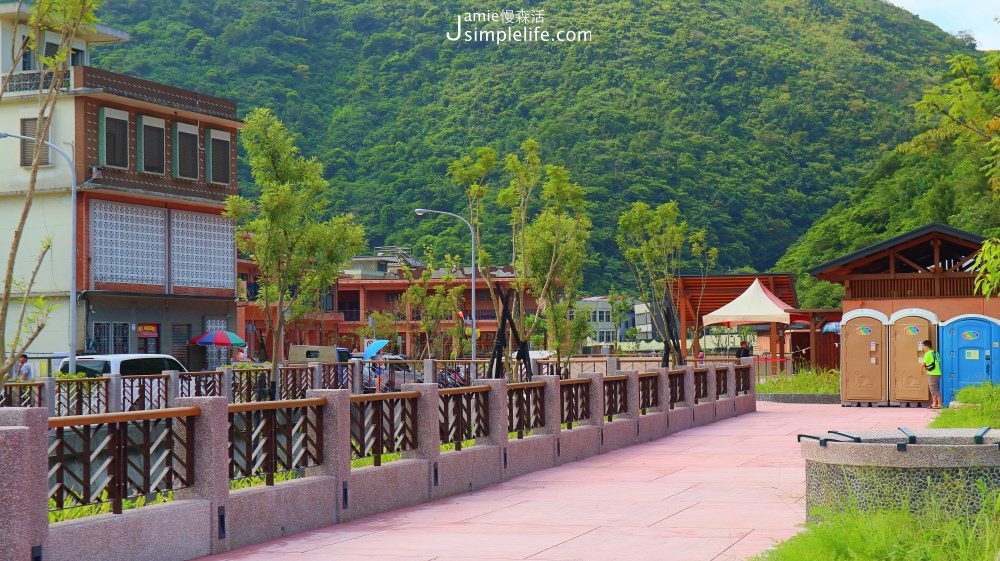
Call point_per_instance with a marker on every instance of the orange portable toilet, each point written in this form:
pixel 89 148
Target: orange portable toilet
pixel 863 356
pixel 908 329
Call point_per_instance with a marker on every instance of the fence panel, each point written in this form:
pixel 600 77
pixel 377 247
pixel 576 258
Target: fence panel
pixel 675 378
pixel 98 459
pixel 200 384
pixel 464 414
pixel 337 376
pixel 721 382
pixel 525 407
pixel 700 384
pixel 383 424
pixel 615 396
pixel 21 394
pixel 649 394
pixel 81 396
pixel 743 379
pixel 274 437
pixel 294 382
pixel 140 393
pixel 250 384
pixel 574 401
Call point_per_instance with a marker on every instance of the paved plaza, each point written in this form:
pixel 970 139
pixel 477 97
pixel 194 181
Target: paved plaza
pixel 724 491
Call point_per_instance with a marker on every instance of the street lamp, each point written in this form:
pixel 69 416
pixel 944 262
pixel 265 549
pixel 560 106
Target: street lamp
pixel 423 211
pixel 72 252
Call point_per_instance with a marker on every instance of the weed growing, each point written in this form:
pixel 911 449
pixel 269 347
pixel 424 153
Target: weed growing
pixel 804 381
pixel 981 409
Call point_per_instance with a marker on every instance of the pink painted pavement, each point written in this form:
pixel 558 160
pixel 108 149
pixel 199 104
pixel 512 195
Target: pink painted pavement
pixel 721 492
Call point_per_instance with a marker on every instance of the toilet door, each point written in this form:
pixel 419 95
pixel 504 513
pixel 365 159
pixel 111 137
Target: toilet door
pixel 969 359
pixel 863 360
pixel 907 377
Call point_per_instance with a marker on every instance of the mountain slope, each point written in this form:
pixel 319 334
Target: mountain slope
pixel 757 116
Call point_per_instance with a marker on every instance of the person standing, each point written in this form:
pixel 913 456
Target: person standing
pixel 932 364
pixel 22 370
pixel 743 351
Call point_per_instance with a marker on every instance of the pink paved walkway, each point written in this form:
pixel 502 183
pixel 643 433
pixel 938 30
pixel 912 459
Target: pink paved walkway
pixel 721 492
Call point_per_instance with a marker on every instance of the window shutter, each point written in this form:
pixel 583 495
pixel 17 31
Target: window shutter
pixel 140 154
pixel 208 156
pixel 101 138
pixel 175 154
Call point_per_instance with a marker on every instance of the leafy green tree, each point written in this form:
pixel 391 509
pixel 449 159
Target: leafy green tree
pixel 385 326
pixel 652 240
pixel 297 248
pixel 987 265
pixel 62 20
pixel 548 245
pixel 435 300
pixel 965 109
pixel 621 305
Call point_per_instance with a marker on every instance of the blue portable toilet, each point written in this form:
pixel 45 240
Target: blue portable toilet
pixel 968 345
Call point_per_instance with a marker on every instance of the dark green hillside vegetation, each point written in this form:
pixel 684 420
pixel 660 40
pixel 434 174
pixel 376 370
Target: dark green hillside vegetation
pixel 944 175
pixel 757 116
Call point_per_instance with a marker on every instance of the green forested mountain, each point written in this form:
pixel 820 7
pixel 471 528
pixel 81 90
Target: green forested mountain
pixel 756 115
pixel 943 176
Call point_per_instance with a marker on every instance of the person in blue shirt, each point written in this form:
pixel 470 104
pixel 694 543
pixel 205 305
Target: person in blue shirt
pixel 22 370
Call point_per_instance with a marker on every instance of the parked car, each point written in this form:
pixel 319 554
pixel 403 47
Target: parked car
pixel 124 364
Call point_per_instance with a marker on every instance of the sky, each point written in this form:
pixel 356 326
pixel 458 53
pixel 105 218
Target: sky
pixel 975 16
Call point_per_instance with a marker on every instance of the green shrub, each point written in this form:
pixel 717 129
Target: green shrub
pixel 894 533
pixel 982 409
pixel 804 381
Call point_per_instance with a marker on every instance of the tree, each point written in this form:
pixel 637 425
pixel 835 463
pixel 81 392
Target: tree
pixel 987 265
pixel 385 327
pixel 621 305
pixel 550 230
pixel 548 246
pixel 652 242
pixel 47 19
pixel 435 300
pixel 965 110
pixel 297 249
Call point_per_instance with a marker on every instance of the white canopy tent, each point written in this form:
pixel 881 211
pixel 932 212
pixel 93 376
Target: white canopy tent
pixel 756 305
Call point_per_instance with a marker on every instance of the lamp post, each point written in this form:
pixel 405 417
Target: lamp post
pixel 72 252
pixel 423 211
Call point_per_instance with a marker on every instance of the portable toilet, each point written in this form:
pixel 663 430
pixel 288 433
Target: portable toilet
pixel 863 356
pixel 908 329
pixel 969 343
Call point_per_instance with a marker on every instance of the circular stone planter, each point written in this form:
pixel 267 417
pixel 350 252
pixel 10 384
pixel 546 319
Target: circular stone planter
pixel 894 468
pixel 825 398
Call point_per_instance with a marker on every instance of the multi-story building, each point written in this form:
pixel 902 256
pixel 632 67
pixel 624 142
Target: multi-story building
pixel 602 327
pixel 373 283
pixel 156 262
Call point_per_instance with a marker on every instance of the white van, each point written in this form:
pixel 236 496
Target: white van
pixel 125 364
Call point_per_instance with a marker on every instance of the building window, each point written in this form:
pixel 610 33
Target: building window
pixel 572 313
pixel 128 243
pixel 113 137
pixel 150 144
pixel 111 337
pixel 28 57
pixel 77 57
pixel 29 127
pixel 185 151
pixel 202 251
pixel 217 160
pixel 393 297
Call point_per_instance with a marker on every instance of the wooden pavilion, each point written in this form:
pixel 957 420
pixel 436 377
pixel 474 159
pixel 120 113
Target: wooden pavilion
pixel 695 296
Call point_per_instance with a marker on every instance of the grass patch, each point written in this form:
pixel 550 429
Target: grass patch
pixel 104 507
pixel 804 381
pixel 983 409
pixel 258 480
pixel 895 534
